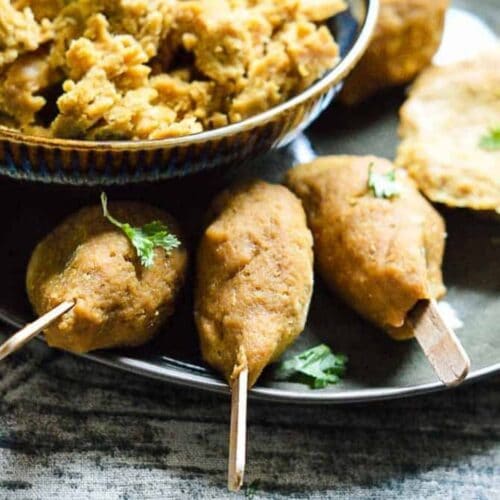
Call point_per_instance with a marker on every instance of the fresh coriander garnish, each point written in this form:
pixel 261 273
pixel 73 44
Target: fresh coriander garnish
pixel 317 367
pixel 383 185
pixel 491 140
pixel 251 489
pixel 146 238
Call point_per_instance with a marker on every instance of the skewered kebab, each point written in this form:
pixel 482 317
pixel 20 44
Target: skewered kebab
pixel 254 285
pixel 407 35
pixel 95 290
pixel 379 245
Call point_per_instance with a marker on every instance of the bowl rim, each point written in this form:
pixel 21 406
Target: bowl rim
pixel 332 77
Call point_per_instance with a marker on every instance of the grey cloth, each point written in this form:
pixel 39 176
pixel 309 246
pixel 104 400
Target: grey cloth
pixel 72 429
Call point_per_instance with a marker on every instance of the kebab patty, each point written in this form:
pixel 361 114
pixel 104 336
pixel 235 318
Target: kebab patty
pixel 255 278
pixel 380 255
pixel 448 111
pixel 118 302
pixel 407 35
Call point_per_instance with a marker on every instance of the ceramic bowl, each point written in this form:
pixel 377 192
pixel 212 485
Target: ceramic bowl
pixel 119 162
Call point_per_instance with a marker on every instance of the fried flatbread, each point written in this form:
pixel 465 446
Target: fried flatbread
pixel 448 112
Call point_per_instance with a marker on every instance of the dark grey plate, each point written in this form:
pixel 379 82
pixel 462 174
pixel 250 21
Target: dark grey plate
pixel 378 367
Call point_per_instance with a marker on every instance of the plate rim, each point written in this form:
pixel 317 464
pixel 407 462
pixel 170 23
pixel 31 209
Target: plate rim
pixel 218 386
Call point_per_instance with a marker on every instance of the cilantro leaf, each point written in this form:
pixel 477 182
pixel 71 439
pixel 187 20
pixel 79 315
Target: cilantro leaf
pixel 383 185
pixel 146 238
pixel 491 140
pixel 317 367
pixel 251 489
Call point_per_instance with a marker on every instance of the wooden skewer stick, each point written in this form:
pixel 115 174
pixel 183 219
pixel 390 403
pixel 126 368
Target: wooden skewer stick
pixel 238 431
pixel 439 343
pixel 31 330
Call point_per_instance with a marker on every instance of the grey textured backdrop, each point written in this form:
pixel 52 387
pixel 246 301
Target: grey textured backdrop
pixel 72 429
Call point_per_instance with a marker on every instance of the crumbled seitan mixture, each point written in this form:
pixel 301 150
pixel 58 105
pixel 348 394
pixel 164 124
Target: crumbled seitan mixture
pixel 151 69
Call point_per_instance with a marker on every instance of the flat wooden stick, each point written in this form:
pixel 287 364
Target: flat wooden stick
pixel 31 330
pixel 238 431
pixel 439 343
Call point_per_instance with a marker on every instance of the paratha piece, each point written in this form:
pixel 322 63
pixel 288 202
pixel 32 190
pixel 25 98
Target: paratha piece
pixel 449 112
